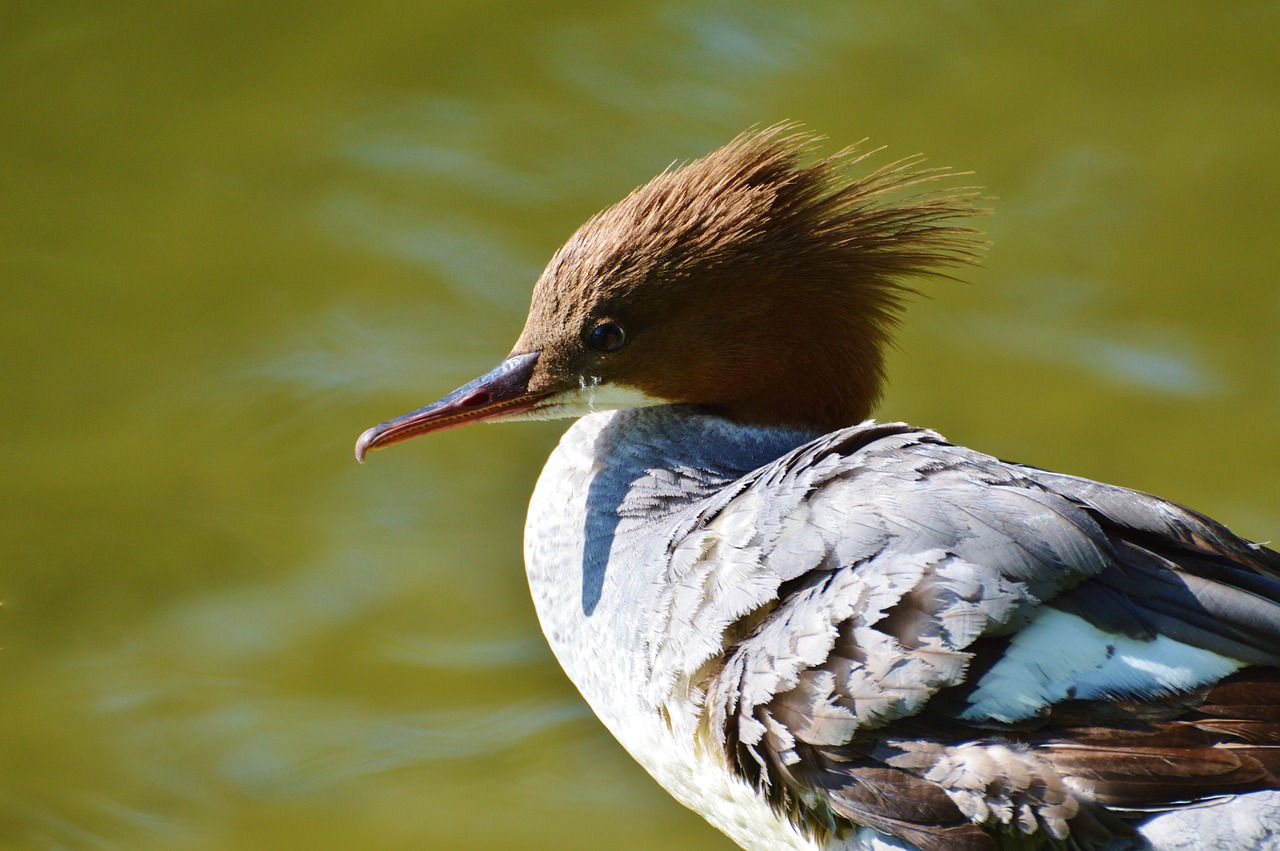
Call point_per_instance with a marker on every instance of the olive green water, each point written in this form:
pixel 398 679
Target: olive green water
pixel 232 236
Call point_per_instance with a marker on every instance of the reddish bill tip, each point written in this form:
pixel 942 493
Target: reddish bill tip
pixel 362 444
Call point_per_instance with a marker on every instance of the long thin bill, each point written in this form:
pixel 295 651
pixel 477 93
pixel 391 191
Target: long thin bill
pixel 501 392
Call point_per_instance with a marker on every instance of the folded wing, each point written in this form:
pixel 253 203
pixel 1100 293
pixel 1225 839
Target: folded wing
pixel 900 633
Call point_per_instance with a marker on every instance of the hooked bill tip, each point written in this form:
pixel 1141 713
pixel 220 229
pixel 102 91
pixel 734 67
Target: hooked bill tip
pixel 367 437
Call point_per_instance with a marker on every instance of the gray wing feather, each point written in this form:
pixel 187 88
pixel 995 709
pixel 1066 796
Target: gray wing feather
pixel 828 597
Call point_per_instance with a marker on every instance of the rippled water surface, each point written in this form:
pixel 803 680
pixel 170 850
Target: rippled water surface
pixel 232 236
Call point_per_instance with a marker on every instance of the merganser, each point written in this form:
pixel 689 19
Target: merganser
pixel 821 634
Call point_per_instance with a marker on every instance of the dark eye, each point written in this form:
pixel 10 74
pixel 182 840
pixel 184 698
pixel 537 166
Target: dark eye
pixel 606 337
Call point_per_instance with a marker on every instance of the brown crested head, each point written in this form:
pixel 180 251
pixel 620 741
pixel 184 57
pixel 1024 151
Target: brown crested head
pixel 747 281
pixel 750 282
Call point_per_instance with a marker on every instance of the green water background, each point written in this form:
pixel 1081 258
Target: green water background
pixel 234 235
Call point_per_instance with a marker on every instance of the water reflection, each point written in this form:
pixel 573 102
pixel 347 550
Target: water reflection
pixel 355 349
pixel 473 263
pixel 453 654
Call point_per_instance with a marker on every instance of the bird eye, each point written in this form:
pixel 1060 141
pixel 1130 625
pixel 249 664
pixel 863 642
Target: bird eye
pixel 606 337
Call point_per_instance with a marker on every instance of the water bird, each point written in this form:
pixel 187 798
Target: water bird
pixel 820 631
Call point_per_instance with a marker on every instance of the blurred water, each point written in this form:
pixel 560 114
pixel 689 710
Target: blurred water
pixel 233 236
